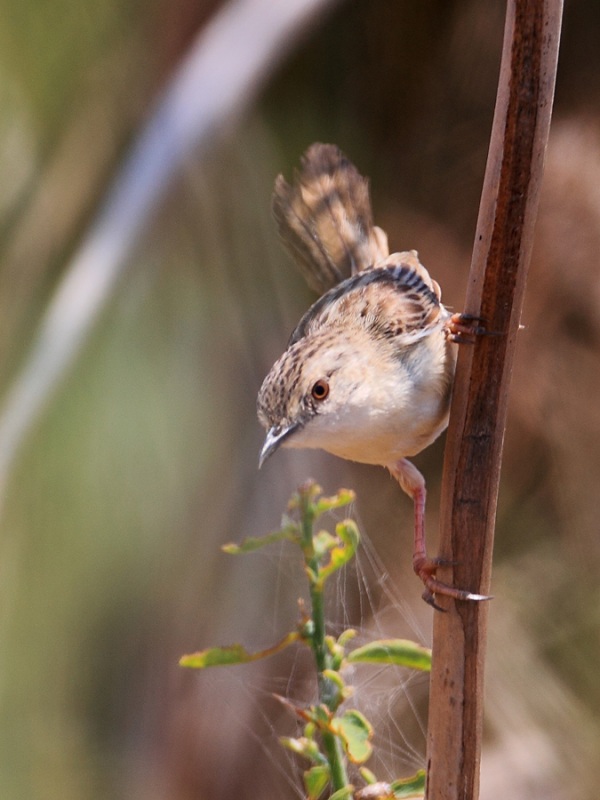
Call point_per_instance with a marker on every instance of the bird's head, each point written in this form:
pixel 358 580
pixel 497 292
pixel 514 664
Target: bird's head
pixel 296 390
pixel 324 392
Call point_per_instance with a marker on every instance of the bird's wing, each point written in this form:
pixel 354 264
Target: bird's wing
pixel 325 219
pixel 398 299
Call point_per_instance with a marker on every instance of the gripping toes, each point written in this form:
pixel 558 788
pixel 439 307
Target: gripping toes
pixel 465 328
pixel 425 568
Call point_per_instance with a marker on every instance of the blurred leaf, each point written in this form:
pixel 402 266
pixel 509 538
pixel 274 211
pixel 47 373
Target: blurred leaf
pixel 356 732
pixel 233 654
pixel 367 775
pixel 410 787
pixel 310 491
pixel 217 656
pixel 346 636
pixel 341 794
pixel 335 678
pixel 400 652
pixel 251 543
pixel 306 747
pixel 315 781
pixel 305 496
pixel 339 555
pixel 323 542
pixel 337 691
pixel 342 498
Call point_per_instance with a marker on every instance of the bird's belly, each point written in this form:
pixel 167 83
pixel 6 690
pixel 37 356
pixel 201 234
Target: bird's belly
pixel 375 437
pixel 387 446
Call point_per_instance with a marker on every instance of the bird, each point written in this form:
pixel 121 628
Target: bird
pixel 367 373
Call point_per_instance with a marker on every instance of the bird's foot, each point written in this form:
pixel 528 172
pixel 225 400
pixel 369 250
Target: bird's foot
pixel 426 569
pixel 465 328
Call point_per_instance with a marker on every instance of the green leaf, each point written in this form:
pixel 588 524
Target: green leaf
pixel 251 543
pixel 400 652
pixel 355 731
pixel 410 787
pixel 297 746
pixel 323 542
pixel 335 678
pixel 348 539
pixel 305 747
pixel 342 793
pixel 346 636
pixel 342 498
pixel 336 652
pixel 320 715
pixel 315 781
pixel 336 690
pixel 216 657
pixel 305 496
pixel 233 654
pixel 367 776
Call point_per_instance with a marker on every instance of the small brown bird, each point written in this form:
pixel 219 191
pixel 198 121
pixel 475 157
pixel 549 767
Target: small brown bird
pixel 367 374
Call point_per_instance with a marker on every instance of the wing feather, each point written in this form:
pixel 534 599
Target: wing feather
pixel 408 313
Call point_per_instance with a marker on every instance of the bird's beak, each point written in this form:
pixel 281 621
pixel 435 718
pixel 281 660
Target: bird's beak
pixel 274 438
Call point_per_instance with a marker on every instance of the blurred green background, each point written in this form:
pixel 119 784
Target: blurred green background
pixel 145 460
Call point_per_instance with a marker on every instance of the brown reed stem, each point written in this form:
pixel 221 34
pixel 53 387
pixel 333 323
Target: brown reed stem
pixel 475 436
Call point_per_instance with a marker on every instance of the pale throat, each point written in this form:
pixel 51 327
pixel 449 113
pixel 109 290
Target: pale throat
pixel 375 426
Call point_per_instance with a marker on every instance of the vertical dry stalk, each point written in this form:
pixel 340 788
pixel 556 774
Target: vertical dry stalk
pixel 475 436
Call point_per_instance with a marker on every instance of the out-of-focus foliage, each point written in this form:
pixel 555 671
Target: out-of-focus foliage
pixel 145 462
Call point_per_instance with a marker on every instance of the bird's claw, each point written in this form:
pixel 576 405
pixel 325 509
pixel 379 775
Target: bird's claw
pixel 465 328
pixel 430 600
pixel 425 568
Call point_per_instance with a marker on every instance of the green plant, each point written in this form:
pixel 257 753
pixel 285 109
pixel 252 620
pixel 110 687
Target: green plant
pixel 333 735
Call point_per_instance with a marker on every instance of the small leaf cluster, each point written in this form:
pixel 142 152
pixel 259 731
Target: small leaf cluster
pixel 332 736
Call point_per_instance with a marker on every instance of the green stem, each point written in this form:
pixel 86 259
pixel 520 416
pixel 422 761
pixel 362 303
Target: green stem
pixel 327 692
pixel 335 756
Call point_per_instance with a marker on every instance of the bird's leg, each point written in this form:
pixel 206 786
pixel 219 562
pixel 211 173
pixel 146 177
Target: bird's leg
pixel 413 483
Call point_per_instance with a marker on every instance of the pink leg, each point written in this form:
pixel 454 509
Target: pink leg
pixel 413 483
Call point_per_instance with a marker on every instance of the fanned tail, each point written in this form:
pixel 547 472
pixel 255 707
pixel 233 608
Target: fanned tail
pixel 325 219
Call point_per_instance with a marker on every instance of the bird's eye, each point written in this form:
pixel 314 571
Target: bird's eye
pixel 320 390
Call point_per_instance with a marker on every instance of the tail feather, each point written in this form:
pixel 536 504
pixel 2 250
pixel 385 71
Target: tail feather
pixel 325 218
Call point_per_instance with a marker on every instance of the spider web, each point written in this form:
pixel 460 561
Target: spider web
pixel 365 597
